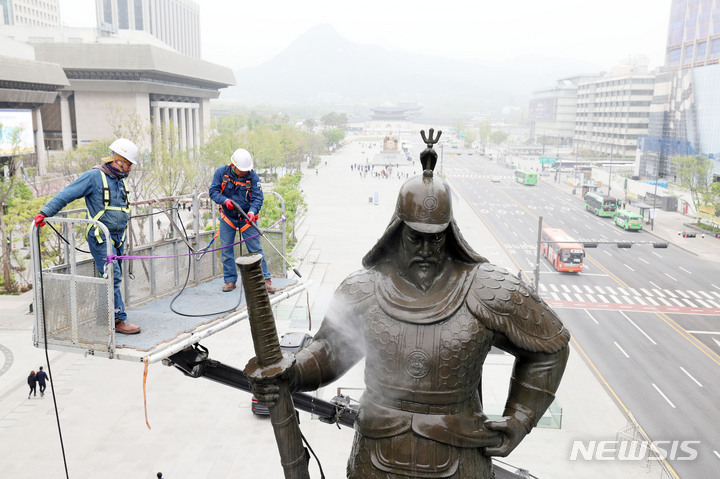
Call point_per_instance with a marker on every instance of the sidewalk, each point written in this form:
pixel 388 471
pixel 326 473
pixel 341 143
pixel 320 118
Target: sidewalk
pixel 201 429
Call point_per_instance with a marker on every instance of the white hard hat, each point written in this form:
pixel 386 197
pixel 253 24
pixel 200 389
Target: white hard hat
pixel 242 159
pixel 125 148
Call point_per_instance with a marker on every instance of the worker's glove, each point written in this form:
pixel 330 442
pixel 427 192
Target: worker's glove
pixel 229 205
pixel 513 431
pixel 39 220
pixel 251 216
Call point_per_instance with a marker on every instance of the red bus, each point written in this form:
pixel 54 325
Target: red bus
pixel 563 252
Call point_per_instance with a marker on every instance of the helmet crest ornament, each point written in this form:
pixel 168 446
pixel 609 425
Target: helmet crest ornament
pixel 429 159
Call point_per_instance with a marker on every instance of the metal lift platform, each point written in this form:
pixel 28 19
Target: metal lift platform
pixel 74 305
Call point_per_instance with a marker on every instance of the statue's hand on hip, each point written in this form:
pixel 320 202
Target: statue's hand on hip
pixel 513 431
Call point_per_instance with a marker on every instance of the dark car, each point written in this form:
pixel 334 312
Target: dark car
pixel 289 343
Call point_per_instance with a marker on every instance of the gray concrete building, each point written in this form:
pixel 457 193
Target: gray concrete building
pixel 83 82
pixel 175 22
pixel 552 111
pixel 41 13
pixel 613 111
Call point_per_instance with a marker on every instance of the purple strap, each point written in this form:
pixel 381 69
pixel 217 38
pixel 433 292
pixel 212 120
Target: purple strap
pixel 112 257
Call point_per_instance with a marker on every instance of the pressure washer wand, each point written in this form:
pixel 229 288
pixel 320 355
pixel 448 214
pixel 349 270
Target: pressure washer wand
pixel 254 225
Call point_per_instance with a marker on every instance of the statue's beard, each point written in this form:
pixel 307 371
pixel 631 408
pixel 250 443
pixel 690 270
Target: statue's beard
pixel 422 273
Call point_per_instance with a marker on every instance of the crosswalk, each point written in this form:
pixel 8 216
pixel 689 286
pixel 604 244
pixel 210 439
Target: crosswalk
pixel 635 296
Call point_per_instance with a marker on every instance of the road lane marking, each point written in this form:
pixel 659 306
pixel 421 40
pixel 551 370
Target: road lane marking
pixel 612 291
pixel 669 293
pixel 579 297
pixel 670 277
pixel 591 316
pixel 717 454
pixel 647 293
pixel 628 267
pixel 688 272
pixel 641 259
pixel 663 395
pixel 690 376
pixel 615 299
pixel 655 303
pixel 657 255
pixel 602 298
pixel 706 295
pixel 694 294
pixel 679 303
pixel 577 288
pixel 588 288
pixel 656 286
pixel 565 288
pixel 621 349
pixel 681 293
pixel 638 328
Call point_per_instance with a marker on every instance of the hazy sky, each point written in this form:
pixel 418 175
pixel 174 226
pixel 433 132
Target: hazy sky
pixel 239 33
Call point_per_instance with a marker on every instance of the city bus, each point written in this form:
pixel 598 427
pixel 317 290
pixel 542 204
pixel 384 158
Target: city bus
pixel 601 205
pixel 526 177
pixel 563 252
pixel 628 220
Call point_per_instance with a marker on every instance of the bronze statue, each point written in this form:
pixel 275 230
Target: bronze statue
pixel 424 312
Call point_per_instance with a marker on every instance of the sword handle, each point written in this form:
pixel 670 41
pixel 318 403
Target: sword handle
pixel 270 362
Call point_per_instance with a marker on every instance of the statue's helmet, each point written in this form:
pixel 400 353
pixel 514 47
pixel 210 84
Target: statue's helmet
pixel 425 203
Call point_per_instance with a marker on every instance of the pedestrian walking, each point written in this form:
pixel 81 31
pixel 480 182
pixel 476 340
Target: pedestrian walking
pixel 32 382
pixel 41 378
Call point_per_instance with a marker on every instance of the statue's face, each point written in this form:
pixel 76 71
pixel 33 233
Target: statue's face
pixel 421 256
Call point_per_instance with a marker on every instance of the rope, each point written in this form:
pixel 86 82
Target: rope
pixel 47 357
pixel 145 373
pixel 112 257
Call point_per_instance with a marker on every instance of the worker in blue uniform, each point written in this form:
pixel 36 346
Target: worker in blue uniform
pixel 238 182
pixel 107 197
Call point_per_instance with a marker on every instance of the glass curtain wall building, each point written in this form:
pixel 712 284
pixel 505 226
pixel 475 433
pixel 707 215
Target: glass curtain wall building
pixel 685 112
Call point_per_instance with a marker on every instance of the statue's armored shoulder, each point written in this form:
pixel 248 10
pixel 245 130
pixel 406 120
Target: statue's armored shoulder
pixel 505 304
pixel 357 287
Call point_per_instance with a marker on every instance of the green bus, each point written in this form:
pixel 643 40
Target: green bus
pixel 628 220
pixel 601 205
pixel 526 177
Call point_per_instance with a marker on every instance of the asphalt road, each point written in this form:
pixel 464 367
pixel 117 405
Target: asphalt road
pixel 638 314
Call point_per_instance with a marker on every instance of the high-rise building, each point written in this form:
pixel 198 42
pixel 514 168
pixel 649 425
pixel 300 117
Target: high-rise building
pixel 41 13
pixel 685 112
pixel 175 22
pixel 552 112
pixel 613 111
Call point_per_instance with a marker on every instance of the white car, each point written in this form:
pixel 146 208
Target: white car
pixel 495 179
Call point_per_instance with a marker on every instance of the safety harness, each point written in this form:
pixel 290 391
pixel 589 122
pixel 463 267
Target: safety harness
pixel 106 202
pixel 247 186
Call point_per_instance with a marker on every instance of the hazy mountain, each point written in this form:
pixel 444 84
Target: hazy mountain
pixel 321 64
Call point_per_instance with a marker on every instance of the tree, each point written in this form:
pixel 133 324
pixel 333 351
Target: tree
pixel 333 119
pixel 485 131
pixel 713 198
pixel 333 137
pixel 309 124
pixel 694 174
pixel 498 137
